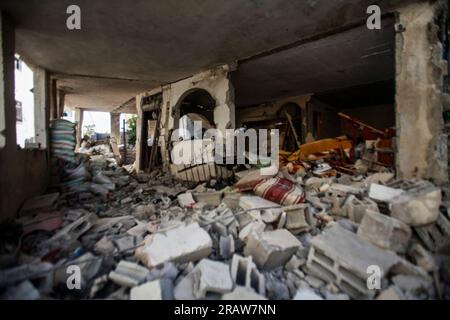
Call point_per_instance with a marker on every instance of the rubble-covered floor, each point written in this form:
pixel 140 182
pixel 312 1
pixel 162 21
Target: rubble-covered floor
pixel 146 236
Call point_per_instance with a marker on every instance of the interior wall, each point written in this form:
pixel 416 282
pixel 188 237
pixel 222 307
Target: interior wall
pixel 380 117
pixel 330 121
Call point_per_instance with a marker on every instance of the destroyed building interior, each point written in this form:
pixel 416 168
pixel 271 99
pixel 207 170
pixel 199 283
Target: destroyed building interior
pixel 361 179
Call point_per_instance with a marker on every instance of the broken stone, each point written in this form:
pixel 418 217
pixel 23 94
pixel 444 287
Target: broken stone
pixel 355 209
pixel 422 257
pixel 144 212
pixel 227 247
pixel 210 198
pixel 154 290
pixel 232 200
pixel 306 293
pixel 129 274
pixel 126 243
pixel 391 293
pixel 436 236
pixel 185 200
pixel 296 218
pixel 253 227
pixel 341 257
pixel 385 232
pixel 418 208
pixel 271 249
pixel 276 289
pixel 314 282
pixel 139 230
pixel 382 193
pixel 243 293
pixel 212 277
pixel 181 244
pixel 74 230
pixel 255 205
pixel 414 287
pixel 295 263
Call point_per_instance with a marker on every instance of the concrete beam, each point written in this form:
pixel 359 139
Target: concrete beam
pixel 115 133
pixel 421 143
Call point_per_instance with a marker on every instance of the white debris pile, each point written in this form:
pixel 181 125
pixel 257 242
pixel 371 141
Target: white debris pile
pixel 305 237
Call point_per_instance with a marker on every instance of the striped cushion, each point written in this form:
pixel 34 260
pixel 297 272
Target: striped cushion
pixel 281 191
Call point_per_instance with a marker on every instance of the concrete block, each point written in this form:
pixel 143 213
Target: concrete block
pixel 227 247
pixel 417 208
pixel 243 294
pixel 245 273
pixel 211 198
pixel 181 244
pixel 382 193
pixel 256 206
pixel 436 236
pixel 355 209
pixel 305 293
pixel 253 227
pixel 129 274
pixel 385 232
pixel 212 277
pixel 341 257
pixel 271 249
pixel 422 257
pixel 75 229
pixel 186 200
pixel 391 293
pixel 296 218
pixel 154 290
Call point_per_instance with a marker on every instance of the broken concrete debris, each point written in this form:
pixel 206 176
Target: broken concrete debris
pixel 271 249
pixel 385 232
pixel 153 290
pixel 305 233
pixel 182 244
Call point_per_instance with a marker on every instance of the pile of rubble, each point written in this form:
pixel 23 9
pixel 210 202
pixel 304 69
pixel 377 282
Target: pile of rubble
pixel 288 236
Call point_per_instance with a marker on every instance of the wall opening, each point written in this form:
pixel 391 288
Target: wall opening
pixel 24 96
pixel 197 106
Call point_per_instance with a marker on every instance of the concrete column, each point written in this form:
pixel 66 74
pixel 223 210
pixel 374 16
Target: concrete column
pixel 115 133
pixel 79 120
pixel 41 105
pixel 421 144
pixel 138 163
pixel 7 99
pixel 61 103
pixel 53 100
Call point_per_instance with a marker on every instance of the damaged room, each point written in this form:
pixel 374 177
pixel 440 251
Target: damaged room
pixel 224 151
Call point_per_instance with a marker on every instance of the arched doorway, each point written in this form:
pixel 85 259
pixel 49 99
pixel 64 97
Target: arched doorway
pixel 194 105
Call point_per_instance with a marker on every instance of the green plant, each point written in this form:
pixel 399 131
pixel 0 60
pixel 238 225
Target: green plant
pixel 131 130
pixel 89 130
